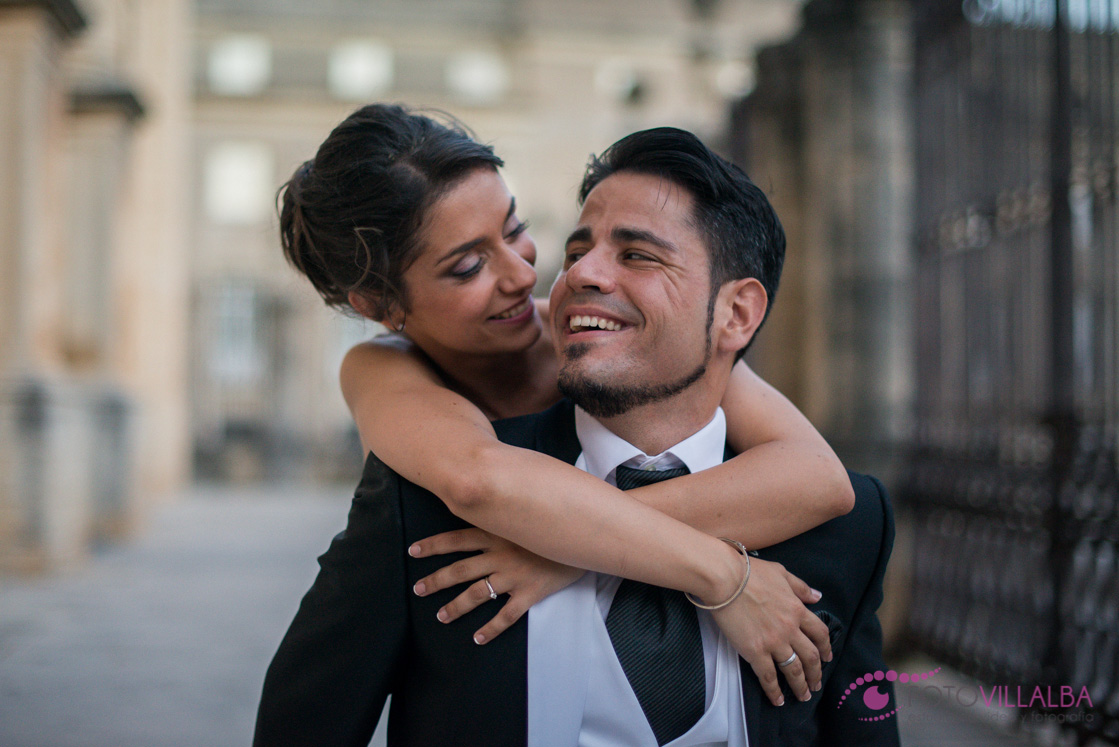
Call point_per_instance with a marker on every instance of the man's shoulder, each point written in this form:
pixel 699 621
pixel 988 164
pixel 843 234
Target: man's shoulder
pixel 872 504
pixel 863 537
pixel 870 522
pixel 551 431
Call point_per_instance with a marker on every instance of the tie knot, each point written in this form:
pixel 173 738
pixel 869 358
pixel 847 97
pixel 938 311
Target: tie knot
pixel 628 478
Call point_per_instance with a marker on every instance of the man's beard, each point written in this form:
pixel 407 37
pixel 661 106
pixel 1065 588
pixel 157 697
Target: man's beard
pixel 604 400
pixel 608 400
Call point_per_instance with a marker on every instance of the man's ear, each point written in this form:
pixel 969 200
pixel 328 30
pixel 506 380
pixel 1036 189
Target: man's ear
pixel 370 309
pixel 739 311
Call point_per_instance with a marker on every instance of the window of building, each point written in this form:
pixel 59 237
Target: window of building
pixel 239 182
pixel 477 77
pixel 240 65
pixel 360 70
pixel 236 353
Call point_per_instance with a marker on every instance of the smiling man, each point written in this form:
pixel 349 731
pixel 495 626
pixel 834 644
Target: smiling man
pixel 667 277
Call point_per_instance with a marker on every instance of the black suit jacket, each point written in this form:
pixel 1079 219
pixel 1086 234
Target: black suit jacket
pixel 361 634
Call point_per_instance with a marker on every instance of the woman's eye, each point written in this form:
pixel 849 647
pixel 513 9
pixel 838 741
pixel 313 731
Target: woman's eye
pixel 467 268
pixel 518 229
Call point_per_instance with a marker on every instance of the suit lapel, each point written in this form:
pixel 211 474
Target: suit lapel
pixel 752 694
pixel 563 691
pixel 556 715
pixel 752 704
pixel 555 432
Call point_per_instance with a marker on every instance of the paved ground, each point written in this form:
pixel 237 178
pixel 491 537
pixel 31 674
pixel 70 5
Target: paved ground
pixel 164 641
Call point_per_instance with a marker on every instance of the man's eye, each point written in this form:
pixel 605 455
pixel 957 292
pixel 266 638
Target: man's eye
pixel 572 258
pixel 638 256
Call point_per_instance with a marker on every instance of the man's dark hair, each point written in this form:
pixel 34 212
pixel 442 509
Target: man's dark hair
pixel 744 238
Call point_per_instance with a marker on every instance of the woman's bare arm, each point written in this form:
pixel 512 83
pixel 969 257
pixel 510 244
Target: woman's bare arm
pixel 785 479
pixel 437 439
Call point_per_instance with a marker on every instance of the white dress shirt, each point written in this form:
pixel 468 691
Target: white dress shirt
pixel 578 693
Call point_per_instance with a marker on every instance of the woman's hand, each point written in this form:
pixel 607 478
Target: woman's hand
pixel 524 576
pixel 769 622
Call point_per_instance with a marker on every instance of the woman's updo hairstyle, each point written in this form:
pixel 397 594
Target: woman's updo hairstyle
pixel 350 218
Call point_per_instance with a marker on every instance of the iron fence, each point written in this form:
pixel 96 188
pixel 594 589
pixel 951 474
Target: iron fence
pixel 1014 486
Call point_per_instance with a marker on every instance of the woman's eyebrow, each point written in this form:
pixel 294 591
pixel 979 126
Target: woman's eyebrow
pixel 473 243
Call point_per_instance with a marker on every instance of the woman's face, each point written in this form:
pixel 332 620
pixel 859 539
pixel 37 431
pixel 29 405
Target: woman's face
pixel 470 289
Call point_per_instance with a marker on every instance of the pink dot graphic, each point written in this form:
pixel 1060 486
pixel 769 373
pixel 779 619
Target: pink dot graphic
pixel 876 700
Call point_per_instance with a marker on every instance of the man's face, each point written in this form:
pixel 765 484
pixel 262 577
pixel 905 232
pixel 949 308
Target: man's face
pixel 630 309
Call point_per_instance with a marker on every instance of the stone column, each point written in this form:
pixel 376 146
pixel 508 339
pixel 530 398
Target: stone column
pixel 769 143
pixel 32 123
pixel 103 117
pixel 828 132
pixel 858 196
pixel 153 257
pixel 44 430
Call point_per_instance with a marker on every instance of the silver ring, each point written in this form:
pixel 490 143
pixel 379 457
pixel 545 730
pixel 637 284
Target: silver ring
pixel 790 660
pixel 493 594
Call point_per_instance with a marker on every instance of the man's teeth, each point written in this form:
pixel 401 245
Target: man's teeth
pixel 514 311
pixel 593 322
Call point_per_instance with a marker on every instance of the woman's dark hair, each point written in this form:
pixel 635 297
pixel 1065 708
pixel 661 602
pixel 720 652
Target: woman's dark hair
pixel 350 218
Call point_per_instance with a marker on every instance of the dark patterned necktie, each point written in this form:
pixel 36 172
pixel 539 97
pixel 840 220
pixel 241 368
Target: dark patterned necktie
pixel 655 633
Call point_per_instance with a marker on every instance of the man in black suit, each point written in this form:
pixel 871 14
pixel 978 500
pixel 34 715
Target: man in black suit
pixel 666 279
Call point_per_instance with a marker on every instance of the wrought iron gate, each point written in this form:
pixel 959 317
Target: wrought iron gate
pixel 1014 484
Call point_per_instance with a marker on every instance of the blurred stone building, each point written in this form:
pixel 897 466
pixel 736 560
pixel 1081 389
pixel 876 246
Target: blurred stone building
pixel 149 329
pixel 546 82
pixel 94 121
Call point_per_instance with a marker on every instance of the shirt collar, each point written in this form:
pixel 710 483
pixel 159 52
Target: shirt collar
pixel 603 450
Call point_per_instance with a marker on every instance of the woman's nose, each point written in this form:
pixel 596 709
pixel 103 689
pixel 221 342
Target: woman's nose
pixel 518 274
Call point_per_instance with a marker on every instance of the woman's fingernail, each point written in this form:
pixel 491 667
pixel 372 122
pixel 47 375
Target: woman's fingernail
pixel 420 588
pixel 414 551
pixel 479 638
pixel 442 615
pixel 806 697
pixel 818 688
pixel 781 702
pixel 828 657
pixel 817 595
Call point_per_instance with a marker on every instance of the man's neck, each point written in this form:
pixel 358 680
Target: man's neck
pixel 658 426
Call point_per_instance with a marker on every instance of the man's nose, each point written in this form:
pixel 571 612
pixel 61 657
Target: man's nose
pixel 592 271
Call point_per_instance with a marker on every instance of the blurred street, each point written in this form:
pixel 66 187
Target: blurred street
pixel 164 641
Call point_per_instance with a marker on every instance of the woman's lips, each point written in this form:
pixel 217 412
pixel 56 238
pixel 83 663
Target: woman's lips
pixel 515 312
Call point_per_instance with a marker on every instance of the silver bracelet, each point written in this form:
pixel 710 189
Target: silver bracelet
pixel 745 577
